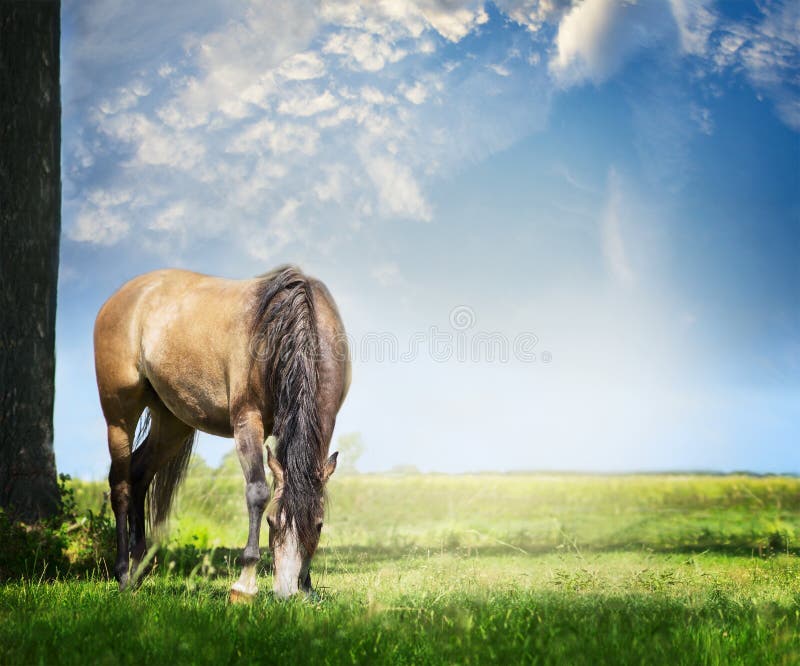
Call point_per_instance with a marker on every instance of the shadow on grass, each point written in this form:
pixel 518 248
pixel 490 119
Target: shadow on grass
pixel 509 627
pixel 223 562
pixel 188 560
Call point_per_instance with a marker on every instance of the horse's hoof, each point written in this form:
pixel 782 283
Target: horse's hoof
pixel 136 580
pixel 241 597
pixel 124 581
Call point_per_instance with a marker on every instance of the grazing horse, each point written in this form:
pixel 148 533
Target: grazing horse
pixel 234 358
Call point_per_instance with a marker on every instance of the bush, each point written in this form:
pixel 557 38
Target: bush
pixel 30 551
pixel 66 543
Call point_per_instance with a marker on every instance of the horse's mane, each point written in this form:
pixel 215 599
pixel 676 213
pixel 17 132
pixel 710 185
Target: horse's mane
pixel 286 343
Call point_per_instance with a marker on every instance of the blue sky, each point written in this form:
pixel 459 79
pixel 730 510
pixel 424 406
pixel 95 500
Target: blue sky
pixel 611 186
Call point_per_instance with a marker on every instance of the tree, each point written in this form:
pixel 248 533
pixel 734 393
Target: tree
pixel 351 448
pixel 30 225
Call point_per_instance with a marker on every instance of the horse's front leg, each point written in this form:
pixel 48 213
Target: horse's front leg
pixel 248 431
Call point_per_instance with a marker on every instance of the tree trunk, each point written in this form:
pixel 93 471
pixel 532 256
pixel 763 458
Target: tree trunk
pixel 30 225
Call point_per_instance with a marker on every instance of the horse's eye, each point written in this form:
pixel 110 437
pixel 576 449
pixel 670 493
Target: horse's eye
pixel 270 522
pixel 319 527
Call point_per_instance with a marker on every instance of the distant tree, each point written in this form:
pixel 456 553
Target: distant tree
pixel 30 225
pixel 351 448
pixel 405 470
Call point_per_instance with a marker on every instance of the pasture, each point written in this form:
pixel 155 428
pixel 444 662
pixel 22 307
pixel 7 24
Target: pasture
pixel 672 569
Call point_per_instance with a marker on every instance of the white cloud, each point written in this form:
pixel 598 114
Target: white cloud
pixel 500 70
pixel 236 63
pixel 397 19
pixel 702 118
pixel 455 24
pixel 125 98
pixel 302 67
pixel 230 115
pixel 695 23
pixel 331 188
pixel 612 232
pixel 534 13
pixel 770 53
pixel 279 139
pixel 170 219
pixel 363 51
pixel 386 274
pixel 109 198
pixel 427 47
pixel 767 51
pixel 596 37
pixel 342 114
pixel 99 226
pixel 153 144
pixel 416 94
pixel 250 187
pixel 252 138
pixel 266 241
pixel 372 95
pixel 398 191
pixel 351 108
pixel 305 105
pixel 290 138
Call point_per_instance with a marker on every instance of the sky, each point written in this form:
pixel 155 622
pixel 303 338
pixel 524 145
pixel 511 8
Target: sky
pixel 562 234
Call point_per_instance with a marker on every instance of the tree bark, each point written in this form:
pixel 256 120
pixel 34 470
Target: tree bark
pixel 30 225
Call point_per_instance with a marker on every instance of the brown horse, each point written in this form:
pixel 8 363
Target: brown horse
pixel 235 358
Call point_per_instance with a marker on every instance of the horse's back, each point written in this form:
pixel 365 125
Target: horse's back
pixel 182 333
pixel 119 324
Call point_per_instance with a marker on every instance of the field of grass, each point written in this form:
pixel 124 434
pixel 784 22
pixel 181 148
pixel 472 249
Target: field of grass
pixel 560 569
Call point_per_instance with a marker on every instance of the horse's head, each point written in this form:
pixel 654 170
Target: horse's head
pixel 295 526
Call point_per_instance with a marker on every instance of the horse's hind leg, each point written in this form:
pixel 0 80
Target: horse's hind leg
pixel 142 472
pixel 120 435
pixel 123 403
pixel 166 437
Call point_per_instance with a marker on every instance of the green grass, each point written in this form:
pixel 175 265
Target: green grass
pixel 560 569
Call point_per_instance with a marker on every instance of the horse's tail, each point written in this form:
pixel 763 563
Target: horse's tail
pixel 287 343
pixel 169 477
pixel 167 480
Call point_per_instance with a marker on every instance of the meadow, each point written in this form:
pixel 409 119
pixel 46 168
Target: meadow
pixel 413 569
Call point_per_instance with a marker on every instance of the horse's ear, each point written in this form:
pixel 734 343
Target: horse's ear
pixel 274 466
pixel 330 466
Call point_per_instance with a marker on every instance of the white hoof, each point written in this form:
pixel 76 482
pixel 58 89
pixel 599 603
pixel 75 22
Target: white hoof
pixel 245 589
pixel 239 596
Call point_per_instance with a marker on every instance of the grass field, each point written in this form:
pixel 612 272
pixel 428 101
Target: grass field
pixel 468 569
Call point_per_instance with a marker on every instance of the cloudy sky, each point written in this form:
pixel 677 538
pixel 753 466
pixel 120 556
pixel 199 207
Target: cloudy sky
pixel 562 234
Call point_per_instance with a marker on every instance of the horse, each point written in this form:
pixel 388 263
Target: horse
pixel 177 352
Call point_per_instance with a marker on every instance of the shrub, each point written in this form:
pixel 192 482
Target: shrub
pixel 30 551
pixel 65 543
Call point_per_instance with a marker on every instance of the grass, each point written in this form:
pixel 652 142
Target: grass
pixel 559 569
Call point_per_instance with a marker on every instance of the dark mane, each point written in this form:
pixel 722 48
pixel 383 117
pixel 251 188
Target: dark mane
pixel 286 344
